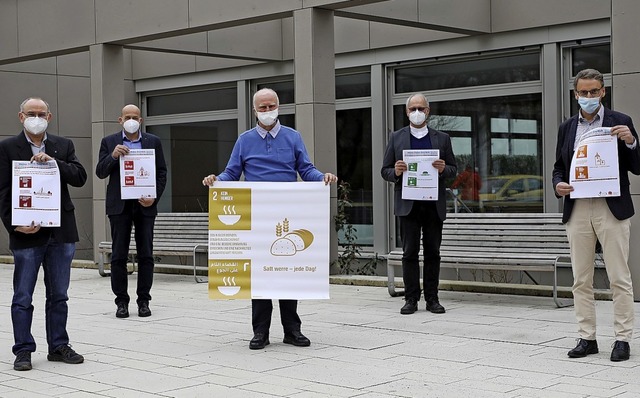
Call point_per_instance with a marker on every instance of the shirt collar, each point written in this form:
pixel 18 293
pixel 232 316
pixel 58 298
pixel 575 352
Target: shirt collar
pixel 419 132
pixel 599 116
pixel 274 131
pixel 44 140
pixel 124 136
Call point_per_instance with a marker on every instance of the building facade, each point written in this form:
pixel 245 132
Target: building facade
pixel 498 75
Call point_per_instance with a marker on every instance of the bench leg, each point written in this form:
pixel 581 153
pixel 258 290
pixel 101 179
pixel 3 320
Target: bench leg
pixel 101 270
pixel 199 279
pixel 391 281
pixel 559 303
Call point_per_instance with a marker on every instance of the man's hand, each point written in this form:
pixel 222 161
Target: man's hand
pixel 329 178
pixel 623 133
pixel 209 180
pixel 146 202
pixel 563 189
pixel 439 164
pixel 119 150
pixel 30 229
pixel 41 158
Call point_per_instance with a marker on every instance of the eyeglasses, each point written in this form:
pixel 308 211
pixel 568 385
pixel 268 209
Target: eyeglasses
pixel 594 92
pixel 417 108
pixel 36 114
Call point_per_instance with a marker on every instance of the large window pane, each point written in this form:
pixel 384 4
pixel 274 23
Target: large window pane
pixel 353 131
pixel 285 90
pixel 505 69
pixel 594 57
pixel 353 85
pixel 195 150
pixel 196 101
pixel 500 140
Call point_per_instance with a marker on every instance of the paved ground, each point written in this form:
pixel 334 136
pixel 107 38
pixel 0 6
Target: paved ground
pixel 484 346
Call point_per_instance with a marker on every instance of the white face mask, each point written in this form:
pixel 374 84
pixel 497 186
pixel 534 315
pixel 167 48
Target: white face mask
pixel 267 118
pixel 131 126
pixel 417 118
pixel 35 125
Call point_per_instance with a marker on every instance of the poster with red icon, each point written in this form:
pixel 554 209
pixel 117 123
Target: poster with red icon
pixel 138 174
pixel 35 194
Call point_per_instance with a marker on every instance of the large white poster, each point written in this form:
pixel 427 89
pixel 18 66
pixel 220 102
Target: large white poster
pixel 269 240
pixel 594 169
pixel 420 181
pixel 35 194
pixel 138 174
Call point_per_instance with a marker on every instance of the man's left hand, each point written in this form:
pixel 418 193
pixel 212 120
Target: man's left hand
pixel 623 133
pixel 329 178
pixel 146 202
pixel 439 164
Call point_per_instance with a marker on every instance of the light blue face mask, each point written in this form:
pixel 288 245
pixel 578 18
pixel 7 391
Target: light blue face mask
pixel 589 105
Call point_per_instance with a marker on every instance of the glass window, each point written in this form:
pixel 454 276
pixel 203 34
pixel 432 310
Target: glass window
pixel 285 90
pixel 497 142
pixel 193 150
pixel 594 57
pixel 196 101
pixel 353 85
pixel 353 133
pixel 495 70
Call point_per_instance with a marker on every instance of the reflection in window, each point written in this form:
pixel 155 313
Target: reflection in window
pixel 593 57
pixel 353 135
pixel 193 150
pixel 496 70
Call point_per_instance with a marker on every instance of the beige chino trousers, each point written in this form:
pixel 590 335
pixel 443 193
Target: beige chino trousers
pixel 591 219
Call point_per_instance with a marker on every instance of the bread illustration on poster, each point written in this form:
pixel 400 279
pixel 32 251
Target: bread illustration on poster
pixel 289 243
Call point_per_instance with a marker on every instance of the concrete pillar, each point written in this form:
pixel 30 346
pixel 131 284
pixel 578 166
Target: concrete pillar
pixel 107 97
pixel 314 78
pixel 626 84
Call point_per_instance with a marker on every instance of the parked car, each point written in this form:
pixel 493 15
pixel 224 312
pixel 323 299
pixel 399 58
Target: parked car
pixel 512 193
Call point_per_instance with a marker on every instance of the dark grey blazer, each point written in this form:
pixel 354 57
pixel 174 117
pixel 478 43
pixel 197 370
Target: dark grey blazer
pixel 71 173
pixel 109 167
pixel 629 161
pixel 401 140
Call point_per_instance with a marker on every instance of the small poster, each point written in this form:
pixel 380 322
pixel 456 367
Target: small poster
pixel 420 181
pixel 594 169
pixel 35 194
pixel 138 174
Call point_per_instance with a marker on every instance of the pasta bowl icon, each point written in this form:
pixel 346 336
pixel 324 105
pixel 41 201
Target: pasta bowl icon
pixel 229 217
pixel 229 288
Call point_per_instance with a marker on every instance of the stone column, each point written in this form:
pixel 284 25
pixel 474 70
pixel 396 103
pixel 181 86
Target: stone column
pixel 314 78
pixel 107 97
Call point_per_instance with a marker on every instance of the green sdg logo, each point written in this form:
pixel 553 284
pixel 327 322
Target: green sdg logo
pixel 413 166
pixel 412 181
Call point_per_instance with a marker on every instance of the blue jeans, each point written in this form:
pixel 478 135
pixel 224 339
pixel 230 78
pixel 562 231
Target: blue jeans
pixel 56 261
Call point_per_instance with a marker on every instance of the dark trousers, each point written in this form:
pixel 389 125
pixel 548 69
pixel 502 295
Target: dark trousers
pixel 121 238
pixel 422 221
pixel 261 315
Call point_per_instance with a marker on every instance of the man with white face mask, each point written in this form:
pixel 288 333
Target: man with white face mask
pixel 123 214
pixel 603 219
pixel 34 245
pixel 271 152
pixel 419 218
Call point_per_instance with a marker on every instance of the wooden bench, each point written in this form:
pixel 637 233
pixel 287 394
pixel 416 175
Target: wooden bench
pixel 174 234
pixel 524 242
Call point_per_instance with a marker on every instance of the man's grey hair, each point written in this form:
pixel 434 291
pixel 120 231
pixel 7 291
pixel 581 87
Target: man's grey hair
pixel 263 90
pixel 416 95
pixel 588 74
pixel 33 98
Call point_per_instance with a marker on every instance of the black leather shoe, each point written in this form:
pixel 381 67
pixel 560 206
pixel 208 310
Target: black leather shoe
pixel 65 354
pixel 584 348
pixel 620 351
pixel 122 311
pixel 259 341
pixel 433 305
pixel 143 309
pixel 23 361
pixel 296 338
pixel 409 307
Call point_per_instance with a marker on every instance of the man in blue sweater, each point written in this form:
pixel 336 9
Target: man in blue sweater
pixel 275 153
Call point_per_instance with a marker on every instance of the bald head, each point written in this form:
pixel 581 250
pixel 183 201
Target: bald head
pixel 130 112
